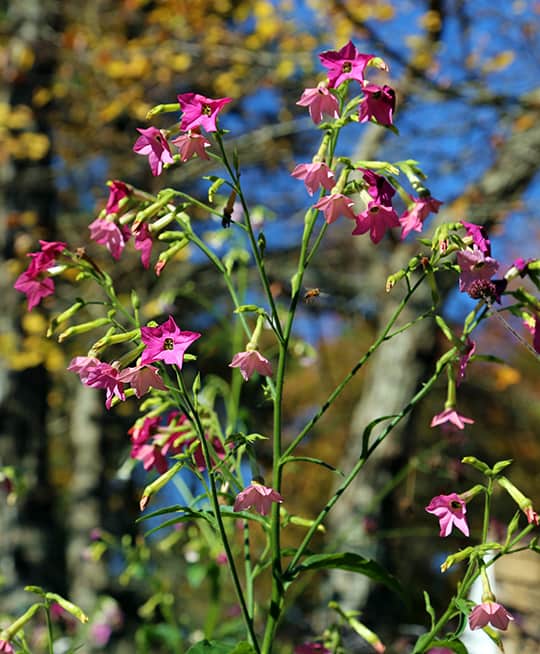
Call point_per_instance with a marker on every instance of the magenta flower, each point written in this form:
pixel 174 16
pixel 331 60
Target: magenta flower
pixel 258 497
pixel 450 510
pixel 479 236
pixel 413 218
pixel 489 613
pixel 377 218
pixel 150 456
pixel 321 102
pixel 108 233
pixel 166 343
pixel 315 175
pixel 470 349
pixel 450 416
pixel 335 205
pixel 153 144
pixel 475 266
pixel 344 64
pixel 379 103
pixel 143 242
pixel 199 111
pixel 84 366
pixel 142 379
pixel 97 374
pixel 118 191
pixel 142 432
pixel 193 142
pixel 6 647
pixel 46 258
pixel 35 286
pixel 378 187
pixel 311 648
pixel 250 362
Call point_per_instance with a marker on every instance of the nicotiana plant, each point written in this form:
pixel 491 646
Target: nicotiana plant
pixel 179 426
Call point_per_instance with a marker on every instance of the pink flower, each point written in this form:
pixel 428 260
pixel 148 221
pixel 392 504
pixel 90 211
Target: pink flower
pixel 450 416
pixel 107 233
pixel 450 510
pixel 475 266
pixel 6 647
pixel 142 432
pixel 250 362
pixel 489 613
pixel 35 286
pixel 153 144
pixel 118 191
pixel 377 218
pixel 166 343
pixel 150 456
pixel 320 101
pixel 479 236
pixel 83 366
pixel 413 218
pixel 379 103
pixel 258 497
pixel 378 187
pixel 311 648
pixel 315 175
pixel 335 205
pixel 97 374
pixel 199 111
pixel 193 142
pixel 532 516
pixel 143 242
pixel 142 378
pixel 344 64
pixel 100 633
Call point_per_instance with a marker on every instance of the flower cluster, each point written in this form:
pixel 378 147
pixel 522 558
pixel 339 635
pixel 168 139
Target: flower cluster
pixel 36 282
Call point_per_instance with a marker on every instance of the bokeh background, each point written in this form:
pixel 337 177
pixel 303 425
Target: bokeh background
pixel 78 79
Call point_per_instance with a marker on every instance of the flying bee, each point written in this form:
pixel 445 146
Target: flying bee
pixel 312 293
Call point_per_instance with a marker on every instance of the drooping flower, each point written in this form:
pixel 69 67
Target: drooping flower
pixel 151 456
pixel 199 111
pixel 321 102
pixel 118 191
pixel 532 516
pixel 35 286
pixel 192 143
pixel 98 374
pixel 344 64
pixel 153 144
pixel 107 233
pixel 166 343
pixel 258 497
pixel 315 175
pixel 450 510
pixel 142 378
pixel 335 205
pixel 475 266
pixel 377 218
pixel 378 187
pixel 469 350
pixel 250 362
pixel 450 416
pixel 143 243
pixel 490 613
pixel 479 236
pixel 379 103
pixel 311 648
pixel 413 218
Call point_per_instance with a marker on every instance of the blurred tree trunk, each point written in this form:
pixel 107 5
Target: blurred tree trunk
pixel 397 370
pixel 33 551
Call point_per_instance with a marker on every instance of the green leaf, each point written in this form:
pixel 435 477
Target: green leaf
pixel 371 426
pixel 210 647
pixel 243 648
pixel 310 459
pixel 349 561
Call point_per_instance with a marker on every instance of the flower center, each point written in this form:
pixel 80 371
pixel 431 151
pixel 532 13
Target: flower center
pixel 168 344
pixel 206 110
pixel 347 67
pixel 455 505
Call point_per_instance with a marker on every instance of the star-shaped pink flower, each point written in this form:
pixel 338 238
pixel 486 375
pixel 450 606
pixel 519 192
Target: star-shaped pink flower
pixel 489 613
pixel 193 142
pixel 344 64
pixel 199 111
pixel 98 374
pixel 143 243
pixel 475 266
pixel 479 236
pixel 321 102
pixel 258 497
pixel 250 362
pixel 377 218
pixel 107 233
pixel 379 102
pixel 450 416
pixel 450 510
pixel 153 144
pixel 142 379
pixel 118 191
pixel 378 187
pixel 315 175
pixel 166 343
pixel 413 218
pixel 335 205
pixel 35 286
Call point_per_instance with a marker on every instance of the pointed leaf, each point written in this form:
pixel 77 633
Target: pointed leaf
pixel 455 645
pixel 210 647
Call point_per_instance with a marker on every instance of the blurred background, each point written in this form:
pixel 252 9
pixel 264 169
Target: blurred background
pixel 78 79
